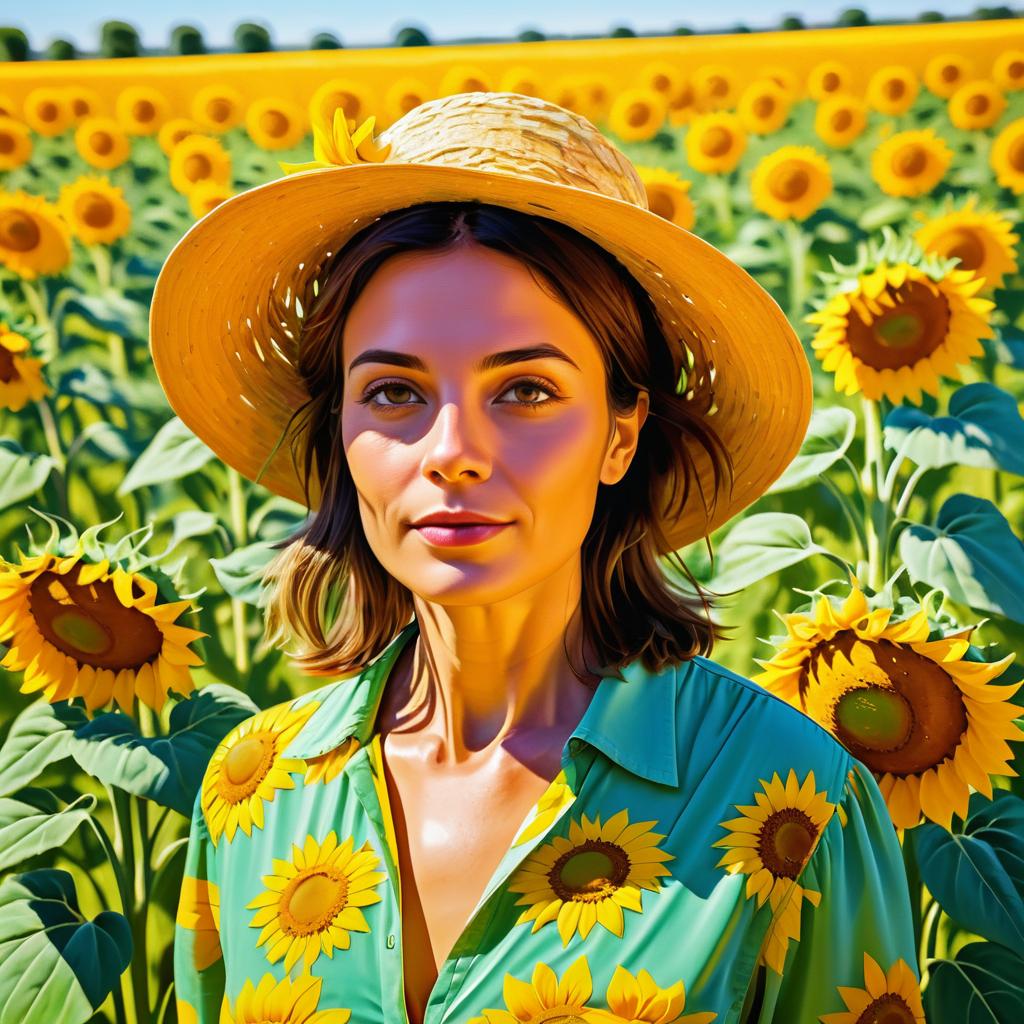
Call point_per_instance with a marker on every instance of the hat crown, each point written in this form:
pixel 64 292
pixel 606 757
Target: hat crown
pixel 512 133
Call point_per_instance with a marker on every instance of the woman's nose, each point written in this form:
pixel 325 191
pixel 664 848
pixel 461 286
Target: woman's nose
pixel 455 445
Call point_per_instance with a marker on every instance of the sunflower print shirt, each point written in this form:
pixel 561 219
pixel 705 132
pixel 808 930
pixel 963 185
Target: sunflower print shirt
pixel 707 853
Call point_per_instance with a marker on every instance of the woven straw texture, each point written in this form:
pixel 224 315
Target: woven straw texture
pixel 225 320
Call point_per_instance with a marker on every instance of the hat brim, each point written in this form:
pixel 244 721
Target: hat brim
pixel 228 373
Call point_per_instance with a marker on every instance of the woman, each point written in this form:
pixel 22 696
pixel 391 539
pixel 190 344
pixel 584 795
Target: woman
pixel 530 795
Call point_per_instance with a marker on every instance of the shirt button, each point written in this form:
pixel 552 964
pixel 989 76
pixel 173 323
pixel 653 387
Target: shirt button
pixel 391 942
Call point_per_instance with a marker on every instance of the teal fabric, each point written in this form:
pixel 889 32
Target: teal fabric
pixel 707 853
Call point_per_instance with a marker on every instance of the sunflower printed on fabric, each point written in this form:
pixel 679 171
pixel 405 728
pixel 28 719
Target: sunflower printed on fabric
pixel 891 996
pixel 632 1000
pixel 247 769
pixel 589 877
pixel 329 766
pixel 546 998
pixel 199 911
pixel 285 1002
pixel 546 810
pixel 314 902
pixel 770 843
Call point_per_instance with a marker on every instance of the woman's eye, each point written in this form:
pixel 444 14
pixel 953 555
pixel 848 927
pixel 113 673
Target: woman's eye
pixel 527 384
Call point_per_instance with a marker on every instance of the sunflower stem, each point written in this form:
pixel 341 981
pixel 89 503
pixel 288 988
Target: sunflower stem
pixel 721 203
pixel 931 929
pixel 871 483
pixel 239 526
pixel 796 242
pixel 908 490
pixel 35 297
pixel 856 524
pixel 101 264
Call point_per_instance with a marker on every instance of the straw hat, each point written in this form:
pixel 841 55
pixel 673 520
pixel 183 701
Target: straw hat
pixel 230 295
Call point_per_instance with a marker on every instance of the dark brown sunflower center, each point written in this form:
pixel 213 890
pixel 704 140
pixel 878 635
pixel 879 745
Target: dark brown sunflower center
pixel 638 114
pixel 274 123
pixel 909 161
pixel 842 120
pixel 589 872
pixel 1015 154
pixel 313 899
pixel 716 141
pixel 661 82
pixel 101 142
pixel 964 244
pixel 789 182
pixel 143 111
pixel 7 371
pixel 90 624
pixel 561 1018
pixel 95 210
pixel 949 73
pixel 409 101
pixel 47 111
pixel 977 104
pixel 908 331
pixel 18 231
pixel 875 728
pixel 80 107
pixel 718 86
pixel 830 81
pixel 764 106
pixel 787 838
pixel 218 110
pixel 6 143
pixel 197 166
pixel 895 88
pixel 683 98
pixel 1015 69
pixel 887 1009
pixel 661 203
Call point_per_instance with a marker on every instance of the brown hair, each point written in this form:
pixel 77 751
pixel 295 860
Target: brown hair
pixel 329 588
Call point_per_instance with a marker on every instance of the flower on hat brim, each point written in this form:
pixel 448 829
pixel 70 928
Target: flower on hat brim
pixel 334 145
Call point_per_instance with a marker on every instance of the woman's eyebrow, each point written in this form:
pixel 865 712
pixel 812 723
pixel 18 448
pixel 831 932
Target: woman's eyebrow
pixel 489 362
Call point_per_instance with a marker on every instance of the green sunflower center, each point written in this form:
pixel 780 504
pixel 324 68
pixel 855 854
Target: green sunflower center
pixel 590 871
pixel 875 717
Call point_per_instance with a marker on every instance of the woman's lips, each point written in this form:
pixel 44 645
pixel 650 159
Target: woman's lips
pixel 449 536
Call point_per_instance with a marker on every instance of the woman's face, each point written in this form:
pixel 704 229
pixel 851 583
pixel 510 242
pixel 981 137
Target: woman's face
pixel 524 438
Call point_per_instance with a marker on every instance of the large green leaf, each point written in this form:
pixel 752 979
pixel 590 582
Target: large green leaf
pixel 37 737
pixel 977 875
pixel 173 453
pixel 22 473
pixel 32 822
pixel 829 434
pixel 971 553
pixel 55 964
pixel 112 311
pixel 760 545
pixel 167 769
pixel 983 428
pixel 240 573
pixel 983 984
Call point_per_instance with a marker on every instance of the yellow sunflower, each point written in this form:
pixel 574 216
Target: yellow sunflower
pixel 910 163
pixel 15 143
pixel 946 72
pixel 557 796
pixel 141 109
pixel 983 240
pixel 640 1000
pixel 763 107
pixel 600 90
pixel 328 766
pixel 464 78
pixel 8 108
pixel 275 123
pixel 892 89
pixel 199 158
pixel 1008 70
pixel 976 105
pixel 247 769
pixel 894 996
pixel 682 107
pixel 518 78
pixel 96 211
pixel 791 183
pixel 84 629
pixel 205 196
pixel 770 843
pixel 714 86
pixel 173 130
pixel 217 107
pixel 785 77
pixel 661 76
pixel 715 142
pixel 313 902
pixel 1007 156
pixel 405 94
pixel 569 90
pixel 668 195
pixel 46 110
pixel 199 912
pixel 899 328
pixel 545 998
pixel 637 114
pixel 84 102
pixel 590 877
pixel 34 239
pixel 102 142
pixel 841 120
pixel 21 376
pixel 286 1001
pixel 351 96
pixel 926 722
pixel 830 78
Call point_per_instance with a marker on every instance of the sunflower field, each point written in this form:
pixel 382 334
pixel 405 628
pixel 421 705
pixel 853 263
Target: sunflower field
pixel 878 583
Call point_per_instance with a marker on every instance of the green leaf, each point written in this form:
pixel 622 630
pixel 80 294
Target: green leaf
pixel 240 573
pixel 55 964
pixel 168 769
pixel 889 211
pixel 829 434
pixel 112 311
pixel 971 553
pixel 983 429
pixel 983 984
pixel 977 875
pixel 173 453
pixel 760 545
pixel 32 822
pixel 22 473
pixel 37 737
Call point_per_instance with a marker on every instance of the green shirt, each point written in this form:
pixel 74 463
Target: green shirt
pixel 706 853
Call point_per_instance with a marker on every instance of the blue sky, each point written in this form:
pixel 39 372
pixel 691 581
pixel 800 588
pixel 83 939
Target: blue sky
pixel 374 23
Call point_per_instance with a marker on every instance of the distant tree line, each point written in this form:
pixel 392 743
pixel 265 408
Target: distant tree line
pixel 121 39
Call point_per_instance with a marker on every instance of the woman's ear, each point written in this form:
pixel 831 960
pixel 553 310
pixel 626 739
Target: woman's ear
pixel 623 441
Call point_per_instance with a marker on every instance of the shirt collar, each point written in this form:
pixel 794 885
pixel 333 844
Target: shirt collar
pixel 631 720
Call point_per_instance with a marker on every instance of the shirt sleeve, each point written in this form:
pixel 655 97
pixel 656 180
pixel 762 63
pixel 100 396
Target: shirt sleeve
pixel 198 962
pixel 855 944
